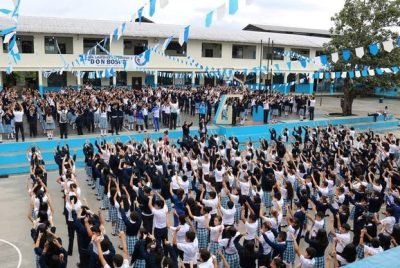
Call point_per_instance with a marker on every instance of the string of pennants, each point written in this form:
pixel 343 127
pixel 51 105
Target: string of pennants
pixel 115 35
pixel 10 36
pixel 220 11
pixel 373 49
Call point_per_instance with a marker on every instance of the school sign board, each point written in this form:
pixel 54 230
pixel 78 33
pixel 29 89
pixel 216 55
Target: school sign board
pixel 116 62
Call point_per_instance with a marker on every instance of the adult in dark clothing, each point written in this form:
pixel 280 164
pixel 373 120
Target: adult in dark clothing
pixel 80 121
pixel 114 120
pixel 247 253
pixel 319 243
pixel 31 116
pixel 147 215
pixel 83 240
pixel 186 130
pixel 234 113
pixel 89 114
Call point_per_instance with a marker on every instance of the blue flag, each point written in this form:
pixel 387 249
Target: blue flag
pixel 233 6
pixel 140 14
pixel 351 74
pixel 8 30
pixel 364 73
pixel 324 59
pixel 289 65
pixel 327 75
pixel 379 71
pixel 152 7
pixel 373 49
pixel 395 69
pixel 5 11
pixel 303 63
pixel 346 54
pixel 209 17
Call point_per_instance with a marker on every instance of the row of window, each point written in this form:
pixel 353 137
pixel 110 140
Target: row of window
pixel 136 47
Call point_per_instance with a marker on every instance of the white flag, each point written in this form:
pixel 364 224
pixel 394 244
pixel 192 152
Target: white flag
pixel 249 2
pixel 335 57
pixel 8 37
pixel 358 74
pixel 371 72
pixel 163 3
pixel 333 75
pixel 221 11
pixel 317 61
pixel 344 74
pixel 360 52
pixel 321 75
pixel 388 45
pixel 387 70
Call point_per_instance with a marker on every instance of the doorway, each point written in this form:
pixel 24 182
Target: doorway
pixel 137 83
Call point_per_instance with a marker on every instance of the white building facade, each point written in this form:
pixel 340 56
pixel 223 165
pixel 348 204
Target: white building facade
pixel 235 50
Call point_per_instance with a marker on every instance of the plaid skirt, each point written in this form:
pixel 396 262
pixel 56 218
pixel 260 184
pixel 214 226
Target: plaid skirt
pixel 169 205
pixel 238 213
pixel 202 236
pixel 319 262
pixel 284 209
pixel 214 246
pixel 120 225
pixel 352 212
pixel 232 260
pixel 331 194
pixel 113 214
pixel 267 199
pixel 106 201
pixel 360 252
pixel 224 202
pixel 130 244
pixel 289 255
pixel 139 264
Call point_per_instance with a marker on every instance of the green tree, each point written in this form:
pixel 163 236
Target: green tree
pixel 359 24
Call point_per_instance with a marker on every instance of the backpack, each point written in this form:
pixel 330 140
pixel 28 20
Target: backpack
pixel 63 117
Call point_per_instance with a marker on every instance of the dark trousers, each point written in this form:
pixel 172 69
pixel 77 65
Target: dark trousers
pixel 90 125
pixel 79 129
pixel 148 222
pixel 19 127
pixel 146 119
pixel 266 113
pixel 71 236
pixel 311 112
pixel 32 129
pixel 172 123
pixel 114 125
pixel 64 130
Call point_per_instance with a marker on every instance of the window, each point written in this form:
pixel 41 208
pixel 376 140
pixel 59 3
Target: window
pixel 57 80
pixel 277 55
pixel 298 53
pixel 89 43
pixel 319 53
pixel 64 43
pixel 134 47
pixel 211 50
pixel 243 52
pixel 175 49
pixel 25 45
pixel 121 79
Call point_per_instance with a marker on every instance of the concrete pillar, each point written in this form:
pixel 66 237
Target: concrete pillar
pixel 258 80
pixel 201 79
pixel 193 78
pixel 155 78
pixel 285 77
pixel 78 80
pixel 115 80
pixel 310 85
pixel 1 80
pixel 41 88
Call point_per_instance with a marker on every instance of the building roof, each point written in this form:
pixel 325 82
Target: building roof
pixel 51 25
pixel 288 30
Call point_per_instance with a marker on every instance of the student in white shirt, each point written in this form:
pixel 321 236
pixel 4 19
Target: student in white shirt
pixel 306 260
pixel 250 225
pixel 375 247
pixel 265 260
pixel 189 246
pixel 160 212
pixel 206 260
pixel 228 215
pixel 71 203
pixel 387 223
pixel 343 238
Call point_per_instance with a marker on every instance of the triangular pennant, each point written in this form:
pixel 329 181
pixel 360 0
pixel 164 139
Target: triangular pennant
pixel 209 17
pixel 346 54
pixel 233 6
pixel 221 10
pixel 373 49
pixel 360 52
pixel 335 57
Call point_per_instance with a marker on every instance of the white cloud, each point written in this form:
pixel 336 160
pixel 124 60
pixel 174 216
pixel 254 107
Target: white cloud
pixel 299 13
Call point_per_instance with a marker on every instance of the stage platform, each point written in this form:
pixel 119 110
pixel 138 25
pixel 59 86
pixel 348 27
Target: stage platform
pixel 13 156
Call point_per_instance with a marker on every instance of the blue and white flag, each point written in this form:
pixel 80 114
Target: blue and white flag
pixel 140 14
pixel 209 18
pixel 233 6
pixel 184 37
pixel 373 49
pixel 152 8
pixel 166 43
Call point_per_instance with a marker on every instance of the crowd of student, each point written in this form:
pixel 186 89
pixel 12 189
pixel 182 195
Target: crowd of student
pixel 112 110
pixel 209 201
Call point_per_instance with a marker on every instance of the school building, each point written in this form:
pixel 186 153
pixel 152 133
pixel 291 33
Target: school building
pixel 41 40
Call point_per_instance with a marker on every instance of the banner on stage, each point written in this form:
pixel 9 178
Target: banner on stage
pixel 107 61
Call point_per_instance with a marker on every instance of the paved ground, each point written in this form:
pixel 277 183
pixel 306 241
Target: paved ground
pixel 325 105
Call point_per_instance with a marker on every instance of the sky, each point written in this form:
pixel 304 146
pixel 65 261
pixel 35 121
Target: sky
pixel 296 13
